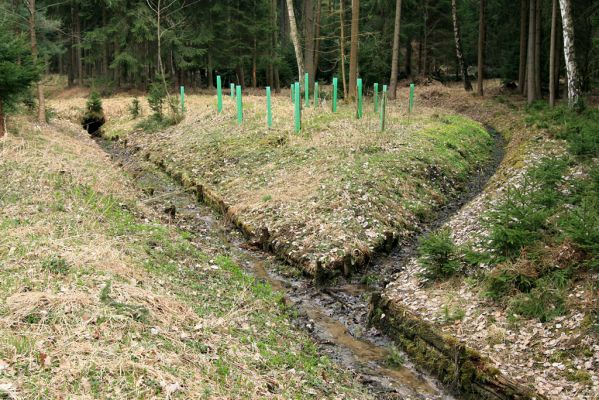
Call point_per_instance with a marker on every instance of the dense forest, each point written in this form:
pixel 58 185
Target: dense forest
pixel 122 44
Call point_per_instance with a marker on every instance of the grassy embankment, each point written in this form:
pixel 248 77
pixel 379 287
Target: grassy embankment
pixel 100 299
pixel 325 199
pixel 543 235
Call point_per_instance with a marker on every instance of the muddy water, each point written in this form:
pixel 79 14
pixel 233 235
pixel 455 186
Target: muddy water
pixel 335 315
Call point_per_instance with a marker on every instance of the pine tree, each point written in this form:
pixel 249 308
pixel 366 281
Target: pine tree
pixel 17 70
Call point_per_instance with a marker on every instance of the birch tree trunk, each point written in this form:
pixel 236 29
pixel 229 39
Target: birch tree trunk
pixel 481 48
pixel 522 65
pixel 353 53
pixel 395 55
pixel 295 39
pixel 552 53
pixel 574 90
pixel 458 47
pixel 41 103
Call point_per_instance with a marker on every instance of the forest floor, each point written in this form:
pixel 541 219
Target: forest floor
pixel 333 195
pixel 103 297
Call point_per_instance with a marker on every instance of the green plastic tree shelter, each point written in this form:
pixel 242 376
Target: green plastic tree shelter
pixel 307 89
pixel 219 94
pixel 359 113
pixel 292 92
pixel 335 83
pixel 239 106
pixel 411 105
pixel 232 90
pixel 376 97
pixel 315 94
pixel 268 108
pixel 182 99
pixel 298 108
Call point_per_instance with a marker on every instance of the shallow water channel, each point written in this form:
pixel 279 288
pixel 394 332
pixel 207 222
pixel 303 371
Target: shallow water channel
pixel 335 314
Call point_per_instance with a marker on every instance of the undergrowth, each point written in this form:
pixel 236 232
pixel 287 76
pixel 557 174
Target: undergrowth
pixel 545 231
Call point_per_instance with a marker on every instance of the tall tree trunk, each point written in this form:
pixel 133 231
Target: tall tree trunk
pixel 558 51
pixel 552 53
pixel 481 48
pixel 538 50
pixel 531 90
pixel 408 65
pixel 275 47
pixel 342 45
pixel 254 64
pixel 41 104
pixel 308 20
pixel 295 39
pixel 458 47
pixel 210 73
pixel 424 47
pixel 78 49
pixel 2 117
pixel 575 100
pixel 419 67
pixel 395 55
pixel 317 36
pixel 353 53
pixel 523 33
pixel 240 75
pixel 104 46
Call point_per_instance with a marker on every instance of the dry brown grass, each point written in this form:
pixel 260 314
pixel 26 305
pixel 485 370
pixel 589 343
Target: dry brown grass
pixel 89 310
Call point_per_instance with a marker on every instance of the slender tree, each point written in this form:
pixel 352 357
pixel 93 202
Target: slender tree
pixel 523 35
pixel 41 103
pixel 295 39
pixel 531 91
pixel 458 47
pixel 481 48
pixel 17 70
pixel 537 58
pixel 395 55
pixel 575 100
pixel 552 53
pixel 353 53
pixel 342 45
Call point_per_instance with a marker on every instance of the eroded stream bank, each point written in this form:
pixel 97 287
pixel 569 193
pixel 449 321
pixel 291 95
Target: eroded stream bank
pixel 336 314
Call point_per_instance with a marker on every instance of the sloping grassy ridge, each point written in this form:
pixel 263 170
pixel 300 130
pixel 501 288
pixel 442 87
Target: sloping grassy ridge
pixel 330 197
pixel 99 299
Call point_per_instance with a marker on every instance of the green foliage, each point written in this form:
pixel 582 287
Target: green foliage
pixel 155 123
pixel 582 226
pixel 17 70
pixel 93 119
pixel 579 129
pixel 135 108
pixel 453 314
pixel 395 358
pixel 156 97
pixel 56 265
pixel 94 103
pixel 438 255
pixel 522 218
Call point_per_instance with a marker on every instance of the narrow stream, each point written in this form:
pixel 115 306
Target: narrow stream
pixel 335 315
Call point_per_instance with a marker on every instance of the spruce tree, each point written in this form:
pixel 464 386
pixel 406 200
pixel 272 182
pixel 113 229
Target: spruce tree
pixel 17 70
